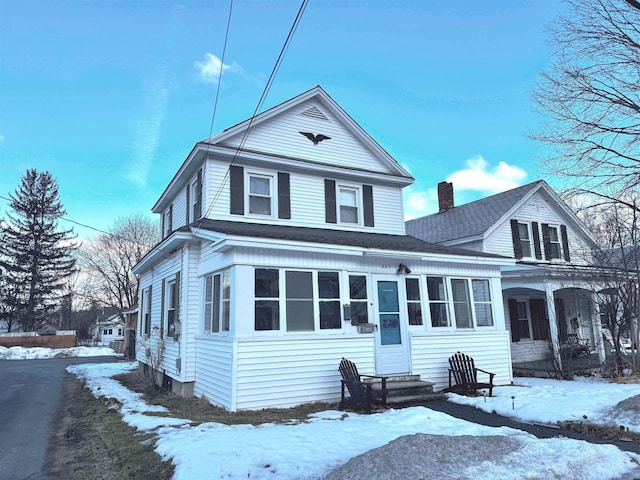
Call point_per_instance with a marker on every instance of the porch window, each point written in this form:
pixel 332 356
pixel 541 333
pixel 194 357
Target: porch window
pixel 461 303
pixel 482 302
pixel 437 292
pixel 217 297
pixel 523 320
pixel 358 298
pixel 329 300
pixel 299 305
pixel 414 307
pixel 260 194
pixel 267 303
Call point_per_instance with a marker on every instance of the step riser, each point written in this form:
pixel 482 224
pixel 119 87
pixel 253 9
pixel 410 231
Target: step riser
pixel 410 391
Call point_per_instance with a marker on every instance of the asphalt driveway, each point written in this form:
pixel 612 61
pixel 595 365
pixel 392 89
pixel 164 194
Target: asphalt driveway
pixel 30 393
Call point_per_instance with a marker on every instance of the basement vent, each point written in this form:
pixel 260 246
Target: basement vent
pixel 314 112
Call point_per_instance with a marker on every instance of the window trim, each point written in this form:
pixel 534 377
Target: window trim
pixel 315 300
pixel 450 304
pixel 357 189
pixel 220 303
pixel 273 204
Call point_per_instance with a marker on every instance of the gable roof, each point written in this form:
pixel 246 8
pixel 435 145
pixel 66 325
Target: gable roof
pixel 230 142
pixel 475 220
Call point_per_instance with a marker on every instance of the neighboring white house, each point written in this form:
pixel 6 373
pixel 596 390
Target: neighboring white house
pixel 548 293
pixel 284 250
pixel 110 329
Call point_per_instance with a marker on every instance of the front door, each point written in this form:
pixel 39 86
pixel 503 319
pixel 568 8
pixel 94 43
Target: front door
pixel 392 344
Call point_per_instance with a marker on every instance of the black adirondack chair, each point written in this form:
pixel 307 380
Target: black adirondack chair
pixel 465 374
pixel 361 392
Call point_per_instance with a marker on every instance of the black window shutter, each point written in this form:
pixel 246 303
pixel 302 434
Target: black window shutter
pixel 147 326
pixel 330 201
pixel 176 317
pixel 515 236
pixel 367 194
pixel 565 243
pixel 198 210
pixel 513 317
pixel 162 308
pixel 546 241
pixel 186 192
pixel 237 190
pixel 539 320
pixel 284 200
pixel 536 240
pixel 170 226
pixel 163 231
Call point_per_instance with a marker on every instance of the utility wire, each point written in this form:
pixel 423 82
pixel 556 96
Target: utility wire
pixel 263 97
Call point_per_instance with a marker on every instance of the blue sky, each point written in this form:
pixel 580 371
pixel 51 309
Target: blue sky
pixel 110 96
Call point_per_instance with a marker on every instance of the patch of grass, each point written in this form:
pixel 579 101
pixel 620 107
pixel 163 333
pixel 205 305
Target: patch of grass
pixel 199 410
pixel 90 440
pixel 607 432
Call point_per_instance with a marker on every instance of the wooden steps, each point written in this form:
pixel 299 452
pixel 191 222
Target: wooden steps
pixel 405 389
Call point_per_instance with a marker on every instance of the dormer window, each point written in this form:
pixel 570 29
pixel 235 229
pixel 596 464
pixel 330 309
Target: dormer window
pixel 260 194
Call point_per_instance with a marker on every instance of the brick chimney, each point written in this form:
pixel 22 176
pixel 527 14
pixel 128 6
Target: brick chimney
pixel 445 196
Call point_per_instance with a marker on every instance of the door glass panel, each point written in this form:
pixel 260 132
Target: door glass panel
pixel 389 308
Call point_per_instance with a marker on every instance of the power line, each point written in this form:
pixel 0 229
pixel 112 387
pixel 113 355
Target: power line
pixel 263 97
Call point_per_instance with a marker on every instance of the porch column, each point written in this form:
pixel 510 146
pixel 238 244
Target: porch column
pixel 596 328
pixel 553 324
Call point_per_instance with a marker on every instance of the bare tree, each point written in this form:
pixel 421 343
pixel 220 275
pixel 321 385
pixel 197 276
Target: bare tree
pixel 617 273
pixel 590 98
pixel 109 258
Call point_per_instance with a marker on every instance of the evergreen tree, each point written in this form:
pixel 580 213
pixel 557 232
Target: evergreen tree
pixel 36 258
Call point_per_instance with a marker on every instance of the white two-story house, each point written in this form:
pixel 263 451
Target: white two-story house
pixel 549 293
pixel 284 250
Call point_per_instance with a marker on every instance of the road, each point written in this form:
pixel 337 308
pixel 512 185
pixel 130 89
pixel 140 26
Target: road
pixel 30 393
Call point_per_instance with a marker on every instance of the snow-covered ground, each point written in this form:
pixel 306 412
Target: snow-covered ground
pixel 310 449
pixel 25 353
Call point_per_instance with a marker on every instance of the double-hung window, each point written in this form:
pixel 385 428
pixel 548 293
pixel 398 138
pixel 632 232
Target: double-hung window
pixel 299 301
pixel 414 307
pixel 217 298
pixel 329 300
pixel 438 302
pixel 260 194
pixel 349 208
pixel 555 247
pixel 145 313
pixel 482 302
pixel 267 299
pixel 195 195
pixel 359 302
pixel 170 298
pixel 461 303
pixel 525 239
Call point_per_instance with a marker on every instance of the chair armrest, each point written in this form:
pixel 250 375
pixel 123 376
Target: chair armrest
pixel 491 375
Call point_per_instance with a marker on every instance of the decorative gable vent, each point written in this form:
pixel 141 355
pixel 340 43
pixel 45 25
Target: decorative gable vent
pixel 314 112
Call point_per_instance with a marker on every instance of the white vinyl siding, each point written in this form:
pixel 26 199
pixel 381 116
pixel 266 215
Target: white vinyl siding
pixel 281 136
pixel 307 202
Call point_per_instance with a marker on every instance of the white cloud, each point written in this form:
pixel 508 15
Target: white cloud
pixel 147 130
pixel 419 203
pixel 209 69
pixel 479 176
